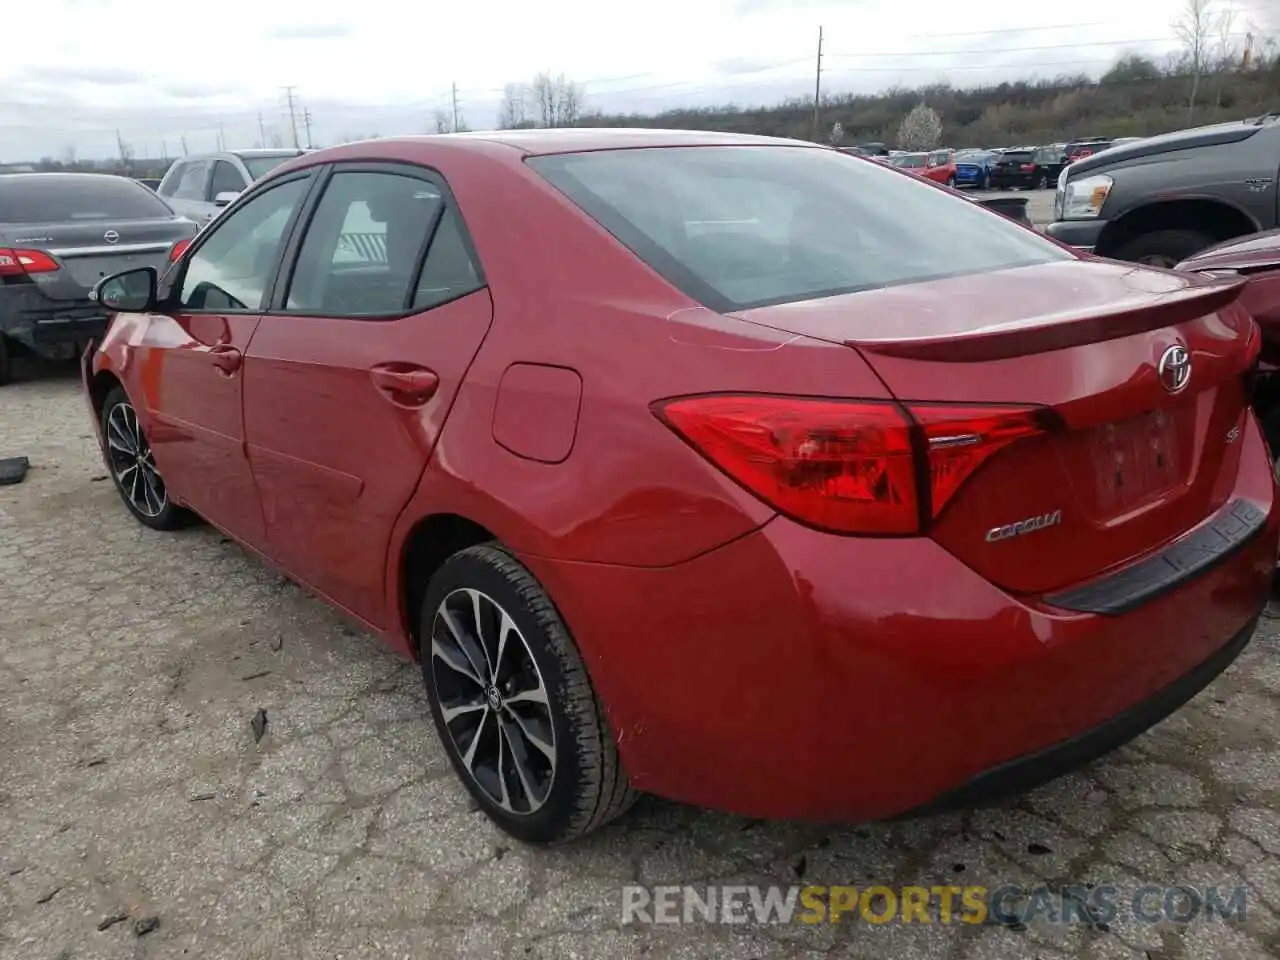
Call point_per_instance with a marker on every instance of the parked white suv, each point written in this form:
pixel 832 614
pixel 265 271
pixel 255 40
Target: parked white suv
pixel 200 185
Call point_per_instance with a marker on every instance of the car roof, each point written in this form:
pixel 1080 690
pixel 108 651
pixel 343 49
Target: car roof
pixel 580 139
pixel 65 175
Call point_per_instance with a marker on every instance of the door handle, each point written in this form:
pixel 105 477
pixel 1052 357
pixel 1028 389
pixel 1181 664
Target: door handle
pixel 406 386
pixel 226 358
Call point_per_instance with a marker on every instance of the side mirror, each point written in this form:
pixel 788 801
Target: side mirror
pixel 133 291
pixel 225 198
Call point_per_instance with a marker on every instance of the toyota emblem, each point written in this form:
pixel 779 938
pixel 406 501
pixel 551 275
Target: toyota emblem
pixel 111 236
pixel 1175 368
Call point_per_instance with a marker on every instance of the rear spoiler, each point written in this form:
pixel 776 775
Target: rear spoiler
pixel 1068 329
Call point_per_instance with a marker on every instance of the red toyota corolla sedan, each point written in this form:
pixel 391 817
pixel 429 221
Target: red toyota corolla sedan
pixel 733 469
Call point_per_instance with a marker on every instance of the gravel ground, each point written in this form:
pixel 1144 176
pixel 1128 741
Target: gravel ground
pixel 132 662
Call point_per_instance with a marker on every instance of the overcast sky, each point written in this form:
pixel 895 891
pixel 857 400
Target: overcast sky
pixel 75 71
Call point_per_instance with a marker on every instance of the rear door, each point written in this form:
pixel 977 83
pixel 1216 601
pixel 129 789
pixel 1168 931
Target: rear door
pixel 351 374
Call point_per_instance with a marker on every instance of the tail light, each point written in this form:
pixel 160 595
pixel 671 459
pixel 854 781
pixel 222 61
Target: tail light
pixel 1028 167
pixel 18 263
pixel 858 466
pixel 179 248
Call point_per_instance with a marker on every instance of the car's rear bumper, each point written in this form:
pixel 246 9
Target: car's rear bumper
pixel 797 674
pixel 53 328
pixel 1082 234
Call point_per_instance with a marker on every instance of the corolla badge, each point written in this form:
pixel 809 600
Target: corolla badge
pixel 1023 527
pixel 1174 368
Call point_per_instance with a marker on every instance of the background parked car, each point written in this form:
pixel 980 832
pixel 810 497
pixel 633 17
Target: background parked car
pixel 915 162
pixel 151 183
pixel 1079 149
pixel 59 234
pixel 1164 199
pixel 1028 168
pixel 940 167
pixel 199 186
pixel 1257 258
pixel 973 168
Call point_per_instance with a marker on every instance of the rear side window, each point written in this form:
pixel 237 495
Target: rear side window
pixel 259 167
pixel 59 198
pixel 364 244
pixel 739 227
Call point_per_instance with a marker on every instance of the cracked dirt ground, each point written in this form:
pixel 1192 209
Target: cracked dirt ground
pixel 131 787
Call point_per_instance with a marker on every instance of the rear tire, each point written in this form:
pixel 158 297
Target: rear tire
pixel 540 760
pixel 951 182
pixel 1164 248
pixel 128 457
pixel 6 360
pixel 1042 183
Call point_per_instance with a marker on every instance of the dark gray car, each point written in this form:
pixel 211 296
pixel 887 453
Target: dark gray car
pixel 1163 199
pixel 59 234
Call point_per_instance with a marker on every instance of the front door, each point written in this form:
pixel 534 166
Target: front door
pixel 349 377
pixel 193 372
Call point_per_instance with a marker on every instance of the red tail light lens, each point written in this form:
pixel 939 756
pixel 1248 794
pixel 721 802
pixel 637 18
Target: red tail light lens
pixel 178 250
pixel 959 439
pixel 16 263
pixel 1028 167
pixel 848 466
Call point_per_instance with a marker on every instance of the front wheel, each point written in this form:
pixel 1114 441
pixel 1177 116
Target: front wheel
pixel 1042 183
pixel 951 182
pixel 133 467
pixel 513 704
pixel 1164 248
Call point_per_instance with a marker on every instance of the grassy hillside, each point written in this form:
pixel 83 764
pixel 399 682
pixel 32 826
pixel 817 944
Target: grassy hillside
pixel 1135 98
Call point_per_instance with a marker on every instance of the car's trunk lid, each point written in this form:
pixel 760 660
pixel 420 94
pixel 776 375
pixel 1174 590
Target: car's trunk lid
pixel 1130 464
pixel 88 251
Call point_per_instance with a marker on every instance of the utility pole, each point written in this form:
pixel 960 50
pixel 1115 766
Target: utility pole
pixel 292 100
pixel 306 119
pixel 455 107
pixel 262 131
pixel 183 141
pixel 222 140
pixel 124 150
pixel 164 150
pixel 817 86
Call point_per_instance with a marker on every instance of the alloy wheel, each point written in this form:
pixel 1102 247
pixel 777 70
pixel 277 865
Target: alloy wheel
pixel 133 464
pixel 493 701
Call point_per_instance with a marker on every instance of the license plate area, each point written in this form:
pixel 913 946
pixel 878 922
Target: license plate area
pixel 1139 459
pixel 89 270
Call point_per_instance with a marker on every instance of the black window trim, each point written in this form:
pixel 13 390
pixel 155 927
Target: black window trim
pixel 277 302
pixel 173 285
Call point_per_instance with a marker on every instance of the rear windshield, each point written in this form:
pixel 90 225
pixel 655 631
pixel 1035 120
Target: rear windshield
pixel 67 199
pixel 737 227
pixel 259 167
pixel 1018 156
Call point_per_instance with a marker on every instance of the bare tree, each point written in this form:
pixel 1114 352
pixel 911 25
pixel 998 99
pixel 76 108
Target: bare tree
pixel 183 140
pixel 1224 53
pixel 69 155
pixel 446 122
pixel 1195 29
pixel 513 112
pixel 921 128
pixel 557 100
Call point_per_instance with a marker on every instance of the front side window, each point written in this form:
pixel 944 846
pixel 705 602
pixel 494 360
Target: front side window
pixel 232 269
pixel 361 252
pixel 191 184
pixel 226 179
pixel 737 227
